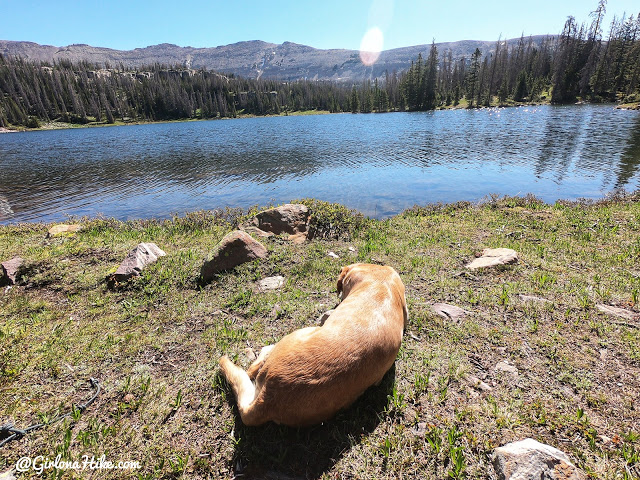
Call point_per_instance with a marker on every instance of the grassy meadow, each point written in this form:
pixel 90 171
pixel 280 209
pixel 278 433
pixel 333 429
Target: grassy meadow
pixel 154 343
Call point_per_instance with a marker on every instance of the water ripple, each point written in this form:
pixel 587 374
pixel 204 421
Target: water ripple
pixel 379 164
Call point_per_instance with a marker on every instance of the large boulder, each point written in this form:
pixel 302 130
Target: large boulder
pixel 137 260
pixel 10 270
pixel 290 218
pixel 234 249
pixel 492 257
pixel 529 459
pixel 63 229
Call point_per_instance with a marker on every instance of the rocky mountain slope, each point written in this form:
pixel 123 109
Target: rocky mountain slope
pixel 253 59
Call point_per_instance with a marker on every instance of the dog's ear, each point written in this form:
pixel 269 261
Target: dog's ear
pixel 343 273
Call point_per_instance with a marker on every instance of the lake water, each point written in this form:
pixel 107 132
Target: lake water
pixel 379 164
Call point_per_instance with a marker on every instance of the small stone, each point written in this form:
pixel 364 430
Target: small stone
pixel 323 318
pixel 504 367
pixel 528 459
pixel 332 255
pixel 420 429
pixel 143 255
pixel 492 257
pixel 475 382
pixel 352 249
pixel 128 398
pixel 234 249
pixel 63 228
pixel 277 310
pixel 271 283
pixel 8 475
pixel 532 299
pixel 449 311
pixel 251 355
pixel 10 269
pixel 618 312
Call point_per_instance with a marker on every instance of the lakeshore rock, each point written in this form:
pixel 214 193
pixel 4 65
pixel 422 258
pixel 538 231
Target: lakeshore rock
pixel 449 311
pixel 63 228
pixel 234 249
pixel 271 283
pixel 137 260
pixel 290 218
pixel 528 459
pixel 10 269
pixel 492 257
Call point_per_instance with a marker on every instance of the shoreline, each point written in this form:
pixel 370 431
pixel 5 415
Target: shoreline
pixel 65 126
pixel 621 197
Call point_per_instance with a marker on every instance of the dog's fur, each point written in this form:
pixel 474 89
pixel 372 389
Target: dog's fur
pixel 313 372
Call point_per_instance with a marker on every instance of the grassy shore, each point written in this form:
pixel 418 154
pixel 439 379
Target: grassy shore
pixel 154 344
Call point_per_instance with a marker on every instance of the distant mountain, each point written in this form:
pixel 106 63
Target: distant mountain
pixel 254 59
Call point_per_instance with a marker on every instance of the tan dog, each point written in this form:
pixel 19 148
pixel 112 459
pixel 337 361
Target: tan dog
pixel 313 372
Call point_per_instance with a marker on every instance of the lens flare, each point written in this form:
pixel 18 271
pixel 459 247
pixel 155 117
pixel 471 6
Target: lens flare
pixel 371 46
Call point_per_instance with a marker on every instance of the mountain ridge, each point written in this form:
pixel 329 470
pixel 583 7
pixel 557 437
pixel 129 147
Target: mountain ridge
pixel 287 61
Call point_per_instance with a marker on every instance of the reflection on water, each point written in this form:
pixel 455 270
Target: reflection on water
pixel 379 164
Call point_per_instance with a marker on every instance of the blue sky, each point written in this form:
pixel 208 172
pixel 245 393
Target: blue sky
pixel 321 24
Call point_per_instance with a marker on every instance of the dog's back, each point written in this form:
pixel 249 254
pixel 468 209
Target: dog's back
pixel 312 373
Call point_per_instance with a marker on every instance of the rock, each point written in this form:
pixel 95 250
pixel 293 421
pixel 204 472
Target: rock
pixel 448 311
pixel 504 367
pixel 234 249
pixel 257 232
pixel 529 459
pixel 250 354
pixel 271 283
pixel 618 312
pixel 8 475
pixel 475 382
pixel 492 257
pixel 290 218
pixel 10 269
pixel 532 299
pixel 298 237
pixel 277 310
pixel 137 260
pixel 332 255
pixel 323 318
pixel 62 228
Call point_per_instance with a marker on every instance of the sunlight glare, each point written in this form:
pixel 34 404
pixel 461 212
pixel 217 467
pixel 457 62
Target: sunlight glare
pixel 371 46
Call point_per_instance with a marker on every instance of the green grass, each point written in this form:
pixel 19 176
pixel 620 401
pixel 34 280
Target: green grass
pixel 154 343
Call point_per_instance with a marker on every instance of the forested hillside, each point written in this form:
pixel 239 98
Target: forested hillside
pixel 579 64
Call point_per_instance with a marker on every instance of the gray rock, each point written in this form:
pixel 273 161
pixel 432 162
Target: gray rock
pixel 10 269
pixel 529 459
pixel 618 312
pixel 475 382
pixel 290 218
pixel 449 311
pixel 323 318
pixel 492 257
pixel 137 260
pixel 504 367
pixel 333 255
pixel 234 249
pixel 271 283
pixel 532 299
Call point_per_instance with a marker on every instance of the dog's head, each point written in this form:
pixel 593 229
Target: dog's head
pixel 352 274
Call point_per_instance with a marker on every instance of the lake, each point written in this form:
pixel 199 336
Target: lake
pixel 379 164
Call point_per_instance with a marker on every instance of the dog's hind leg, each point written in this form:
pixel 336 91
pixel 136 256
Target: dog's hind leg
pixel 243 388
